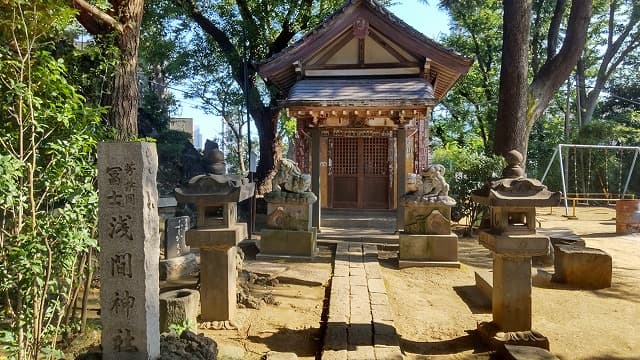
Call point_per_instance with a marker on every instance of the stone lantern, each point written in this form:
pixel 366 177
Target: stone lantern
pixel 512 238
pixel 217 233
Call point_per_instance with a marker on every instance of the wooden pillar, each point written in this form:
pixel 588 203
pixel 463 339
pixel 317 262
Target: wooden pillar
pixel 315 176
pixel 402 174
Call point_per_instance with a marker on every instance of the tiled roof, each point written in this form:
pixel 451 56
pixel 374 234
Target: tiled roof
pixel 331 90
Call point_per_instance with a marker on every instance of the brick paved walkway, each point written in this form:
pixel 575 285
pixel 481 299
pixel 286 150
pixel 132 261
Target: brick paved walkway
pixel 360 323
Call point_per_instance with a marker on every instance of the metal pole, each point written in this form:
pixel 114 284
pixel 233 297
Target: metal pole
pixel 549 166
pixel 564 185
pixel 633 164
pixel 245 66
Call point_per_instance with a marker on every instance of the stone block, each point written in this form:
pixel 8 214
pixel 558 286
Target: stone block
pixel 582 266
pixel 218 284
pixel 288 242
pixel 484 283
pixel 376 286
pixel 179 307
pixel 177 268
pixel 515 245
pixel 336 336
pixel 418 219
pixel 217 239
pixel 428 247
pixel 289 216
pixel 360 334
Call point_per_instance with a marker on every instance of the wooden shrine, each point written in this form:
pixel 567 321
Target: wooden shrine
pixel 362 86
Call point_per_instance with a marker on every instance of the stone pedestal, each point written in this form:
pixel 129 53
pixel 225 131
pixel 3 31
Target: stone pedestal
pixel 217 269
pixel 428 250
pixel 276 243
pixel 289 233
pixel 427 239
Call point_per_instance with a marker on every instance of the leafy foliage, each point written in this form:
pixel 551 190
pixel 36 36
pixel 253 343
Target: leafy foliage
pixel 466 171
pixel 48 211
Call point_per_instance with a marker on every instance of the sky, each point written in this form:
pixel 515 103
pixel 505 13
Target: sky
pixel 426 18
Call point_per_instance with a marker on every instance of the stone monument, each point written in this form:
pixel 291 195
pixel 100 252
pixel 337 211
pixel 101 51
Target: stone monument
pixel 217 233
pixel 427 239
pixel 289 233
pixel 512 238
pixel 178 262
pixel 129 250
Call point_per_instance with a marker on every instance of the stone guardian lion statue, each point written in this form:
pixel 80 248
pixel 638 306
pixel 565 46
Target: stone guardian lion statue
pixel 433 182
pixel 290 178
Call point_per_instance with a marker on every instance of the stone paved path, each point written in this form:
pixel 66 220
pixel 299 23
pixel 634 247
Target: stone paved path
pixel 360 323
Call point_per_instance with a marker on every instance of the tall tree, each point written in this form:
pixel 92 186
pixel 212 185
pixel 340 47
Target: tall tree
pixel 619 36
pixel 515 117
pixel 472 103
pixel 243 33
pixel 121 20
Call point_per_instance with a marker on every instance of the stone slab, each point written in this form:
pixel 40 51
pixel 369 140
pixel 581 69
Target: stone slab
pixel 334 355
pixel 428 247
pixel 175 229
pixel 178 268
pixel 582 266
pixel 335 337
pixel 275 355
pixel 519 352
pixel 288 242
pixel 402 264
pixel 515 245
pixel 265 268
pixel 305 275
pixel 217 239
pixel 562 236
pixel 376 286
pixel 484 283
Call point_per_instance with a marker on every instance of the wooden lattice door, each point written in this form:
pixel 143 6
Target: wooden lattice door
pixel 359 173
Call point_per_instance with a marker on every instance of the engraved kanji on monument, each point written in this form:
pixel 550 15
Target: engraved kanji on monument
pixel 175 237
pixel 129 250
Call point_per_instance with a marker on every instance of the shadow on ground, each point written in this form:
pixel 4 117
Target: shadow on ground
pixel 471 341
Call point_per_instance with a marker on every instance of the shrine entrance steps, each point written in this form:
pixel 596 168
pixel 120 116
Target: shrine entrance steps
pixel 360 322
pixel 367 226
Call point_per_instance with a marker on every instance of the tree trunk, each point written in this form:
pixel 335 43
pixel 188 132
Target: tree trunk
pixel 266 122
pixel 512 130
pixel 123 113
pixel 125 27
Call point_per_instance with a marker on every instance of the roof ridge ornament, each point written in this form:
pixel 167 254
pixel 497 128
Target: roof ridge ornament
pixel 360 27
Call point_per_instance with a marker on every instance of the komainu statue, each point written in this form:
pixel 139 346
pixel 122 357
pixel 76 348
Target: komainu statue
pixel 433 182
pixel 290 178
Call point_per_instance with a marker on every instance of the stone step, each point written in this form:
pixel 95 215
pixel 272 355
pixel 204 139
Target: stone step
pixel 484 283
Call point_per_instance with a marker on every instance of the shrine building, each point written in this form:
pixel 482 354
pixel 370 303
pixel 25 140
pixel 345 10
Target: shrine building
pixel 362 86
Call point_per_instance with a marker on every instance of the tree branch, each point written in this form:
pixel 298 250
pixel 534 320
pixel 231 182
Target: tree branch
pixel 554 27
pixel 94 19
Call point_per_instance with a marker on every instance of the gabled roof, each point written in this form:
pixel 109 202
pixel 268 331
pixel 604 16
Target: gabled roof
pixel 444 65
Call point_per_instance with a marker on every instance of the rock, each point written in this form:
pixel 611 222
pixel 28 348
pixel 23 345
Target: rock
pixel 177 268
pixel 517 352
pixel 188 346
pixel 230 352
pixel 582 266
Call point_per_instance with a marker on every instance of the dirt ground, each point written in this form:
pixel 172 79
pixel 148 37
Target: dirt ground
pixel 437 309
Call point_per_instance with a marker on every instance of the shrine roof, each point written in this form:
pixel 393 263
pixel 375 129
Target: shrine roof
pixel 331 91
pixel 399 47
